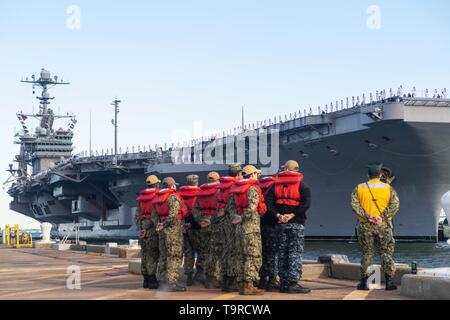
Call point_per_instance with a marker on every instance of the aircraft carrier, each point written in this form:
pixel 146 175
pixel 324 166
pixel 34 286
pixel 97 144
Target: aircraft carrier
pixel 94 193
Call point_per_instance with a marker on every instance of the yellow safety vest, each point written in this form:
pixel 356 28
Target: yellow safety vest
pixel 381 193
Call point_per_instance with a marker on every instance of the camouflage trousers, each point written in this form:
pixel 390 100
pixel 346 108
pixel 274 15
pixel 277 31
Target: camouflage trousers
pixel 171 253
pixel 379 238
pixel 193 248
pixel 229 253
pixel 250 260
pixel 212 240
pixel 269 238
pixel 291 242
pixel 149 253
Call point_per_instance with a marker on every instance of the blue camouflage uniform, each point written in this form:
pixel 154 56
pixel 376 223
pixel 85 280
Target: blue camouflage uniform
pixel 290 235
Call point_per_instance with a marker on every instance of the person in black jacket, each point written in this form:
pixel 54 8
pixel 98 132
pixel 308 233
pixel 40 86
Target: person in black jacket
pixel 269 240
pixel 288 200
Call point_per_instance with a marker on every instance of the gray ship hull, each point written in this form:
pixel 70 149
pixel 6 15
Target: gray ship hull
pixel 416 153
pixel 411 138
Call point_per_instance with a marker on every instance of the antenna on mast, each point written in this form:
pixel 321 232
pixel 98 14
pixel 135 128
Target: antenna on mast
pixel 45 81
pixel 243 122
pixel 90 132
pixel 115 103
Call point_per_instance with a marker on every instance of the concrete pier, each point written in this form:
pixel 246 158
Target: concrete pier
pixel 44 273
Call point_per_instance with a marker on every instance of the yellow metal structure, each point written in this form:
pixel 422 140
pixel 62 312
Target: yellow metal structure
pixel 21 239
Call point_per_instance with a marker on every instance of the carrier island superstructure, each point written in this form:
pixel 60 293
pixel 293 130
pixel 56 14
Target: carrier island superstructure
pixel 410 135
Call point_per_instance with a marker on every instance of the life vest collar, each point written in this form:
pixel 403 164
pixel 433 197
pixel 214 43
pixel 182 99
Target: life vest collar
pixel 166 190
pixel 267 179
pixel 227 179
pixel 246 181
pixel 210 185
pixel 150 190
pixel 189 188
pixel 290 173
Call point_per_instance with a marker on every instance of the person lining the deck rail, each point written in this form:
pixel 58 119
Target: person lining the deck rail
pixel 375 203
pixel 148 236
pixel 288 200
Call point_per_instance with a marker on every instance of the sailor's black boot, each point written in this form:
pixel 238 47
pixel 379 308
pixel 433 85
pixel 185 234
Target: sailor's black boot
pixel 177 288
pixel 145 283
pixel 199 276
pixel 390 285
pixel 211 283
pixel 189 280
pixel 225 284
pixel 273 285
pixel 152 282
pixel 363 284
pixel 294 287
pixel 232 284
pixel 262 283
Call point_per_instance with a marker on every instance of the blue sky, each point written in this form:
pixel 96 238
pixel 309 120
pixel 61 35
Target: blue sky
pixel 175 63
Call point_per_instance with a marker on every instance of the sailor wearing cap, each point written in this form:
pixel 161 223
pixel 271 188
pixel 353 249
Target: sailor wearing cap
pixel 375 203
pixel 288 200
pixel 204 212
pixel 269 236
pixel 229 251
pixel 148 236
pixel 192 236
pixel 247 205
pixel 168 212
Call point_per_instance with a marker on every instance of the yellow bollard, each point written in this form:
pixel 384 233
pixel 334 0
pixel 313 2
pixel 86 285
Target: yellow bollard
pixel 8 235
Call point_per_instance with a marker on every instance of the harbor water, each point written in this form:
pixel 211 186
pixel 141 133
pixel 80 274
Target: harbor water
pixel 427 255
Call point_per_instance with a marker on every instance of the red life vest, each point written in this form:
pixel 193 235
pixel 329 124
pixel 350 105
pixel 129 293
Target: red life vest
pixel 162 209
pixel 206 198
pixel 287 186
pixel 189 194
pixel 240 191
pixel 266 183
pixel 145 201
pixel 224 191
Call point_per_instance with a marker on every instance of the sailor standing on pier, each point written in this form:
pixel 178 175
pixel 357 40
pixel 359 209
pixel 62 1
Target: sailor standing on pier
pixel 204 212
pixel 288 200
pixel 375 203
pixel 168 213
pixel 192 237
pixel 269 237
pixel 147 233
pixel 229 251
pixel 247 205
